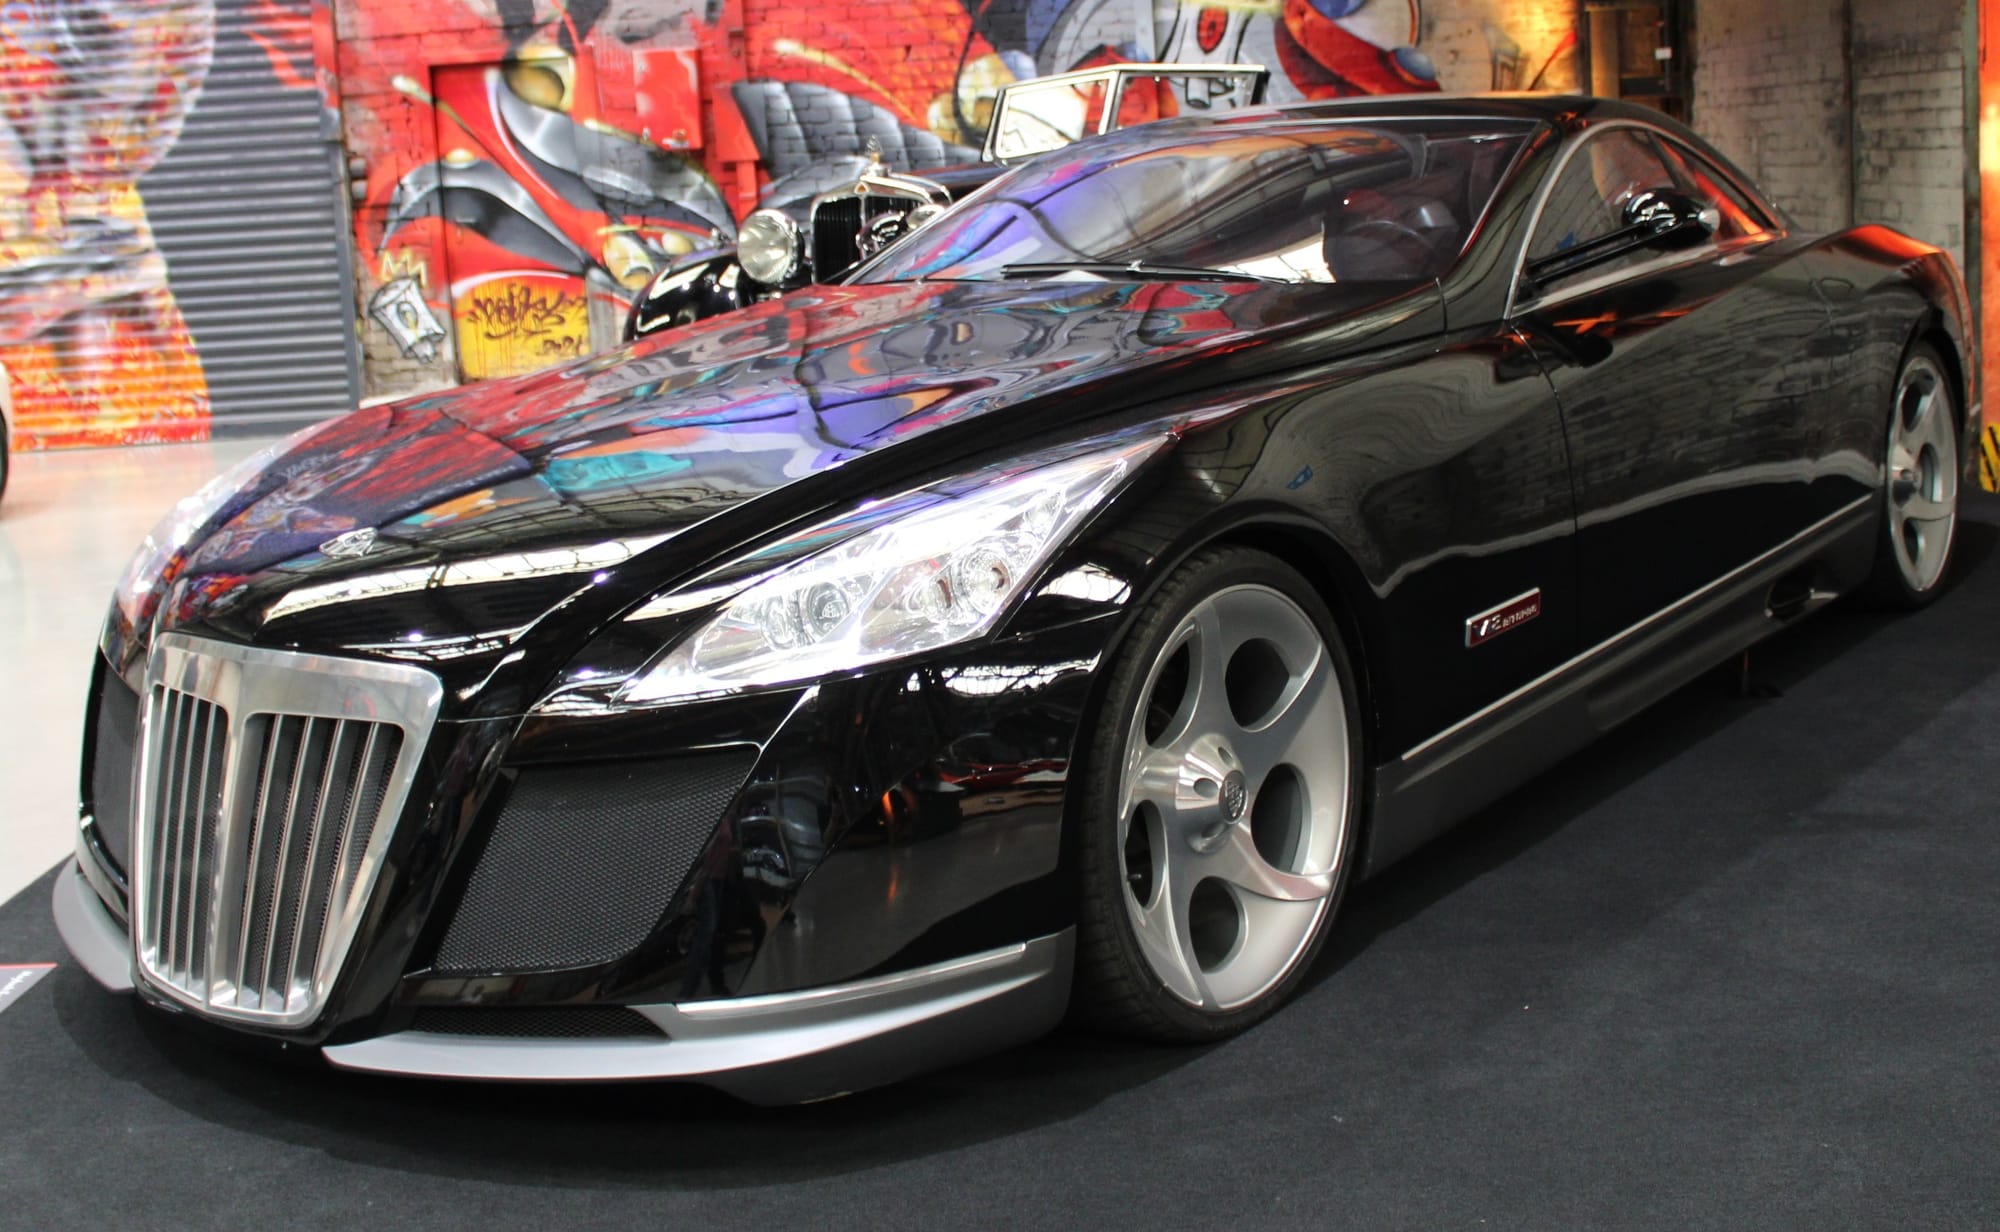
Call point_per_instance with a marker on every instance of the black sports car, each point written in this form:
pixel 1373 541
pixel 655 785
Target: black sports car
pixel 1058 615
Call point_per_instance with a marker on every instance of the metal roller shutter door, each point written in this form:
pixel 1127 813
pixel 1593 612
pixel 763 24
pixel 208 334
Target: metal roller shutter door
pixel 247 209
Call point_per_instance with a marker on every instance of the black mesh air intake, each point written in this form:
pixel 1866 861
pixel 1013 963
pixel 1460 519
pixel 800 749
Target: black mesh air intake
pixel 540 1022
pixel 583 862
pixel 114 745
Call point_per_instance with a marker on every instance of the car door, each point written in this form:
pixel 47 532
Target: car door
pixel 1682 376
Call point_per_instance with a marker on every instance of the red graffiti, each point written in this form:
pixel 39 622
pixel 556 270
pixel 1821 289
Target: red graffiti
pixel 1210 27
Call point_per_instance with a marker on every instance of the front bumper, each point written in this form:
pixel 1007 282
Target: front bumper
pixel 874 883
pixel 773 1049
pixel 94 936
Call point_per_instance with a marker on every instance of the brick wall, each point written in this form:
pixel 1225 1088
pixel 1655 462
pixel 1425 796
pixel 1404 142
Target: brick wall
pixel 1909 118
pixel 1770 90
pixel 1844 110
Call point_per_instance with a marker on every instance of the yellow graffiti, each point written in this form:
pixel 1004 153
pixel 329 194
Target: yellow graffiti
pixel 405 263
pixel 513 326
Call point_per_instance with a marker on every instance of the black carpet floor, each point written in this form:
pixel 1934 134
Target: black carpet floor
pixel 1737 967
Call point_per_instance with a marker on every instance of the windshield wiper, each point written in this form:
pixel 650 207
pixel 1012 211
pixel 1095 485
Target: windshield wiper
pixel 1132 269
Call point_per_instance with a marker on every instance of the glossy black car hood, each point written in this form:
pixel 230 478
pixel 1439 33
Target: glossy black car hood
pixel 493 504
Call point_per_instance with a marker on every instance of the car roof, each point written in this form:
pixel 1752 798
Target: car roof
pixel 1566 111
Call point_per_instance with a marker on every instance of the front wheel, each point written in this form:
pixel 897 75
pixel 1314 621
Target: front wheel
pixel 1221 803
pixel 1920 485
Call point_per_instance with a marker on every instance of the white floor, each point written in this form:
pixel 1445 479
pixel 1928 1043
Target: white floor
pixel 68 522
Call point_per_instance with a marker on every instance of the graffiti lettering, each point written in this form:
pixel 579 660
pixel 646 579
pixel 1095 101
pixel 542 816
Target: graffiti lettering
pixel 515 325
pixel 521 314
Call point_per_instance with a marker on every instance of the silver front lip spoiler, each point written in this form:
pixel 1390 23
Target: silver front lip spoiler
pixel 777 1049
pixel 94 936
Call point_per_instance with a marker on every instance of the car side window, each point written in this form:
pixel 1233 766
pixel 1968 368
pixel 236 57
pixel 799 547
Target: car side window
pixel 1739 218
pixel 1588 200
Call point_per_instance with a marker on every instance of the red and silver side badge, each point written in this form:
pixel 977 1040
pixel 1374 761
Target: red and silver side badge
pixel 1512 614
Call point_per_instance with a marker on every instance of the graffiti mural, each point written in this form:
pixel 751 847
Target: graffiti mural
pixel 518 167
pixel 960 54
pixel 524 178
pixel 94 345
pixel 528 163
pixel 108 290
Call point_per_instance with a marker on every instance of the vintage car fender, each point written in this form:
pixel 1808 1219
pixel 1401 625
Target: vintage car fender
pixel 702 284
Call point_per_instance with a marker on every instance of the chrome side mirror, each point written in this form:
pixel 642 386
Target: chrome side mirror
pixel 1664 218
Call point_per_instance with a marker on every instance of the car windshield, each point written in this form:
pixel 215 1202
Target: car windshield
pixel 1375 200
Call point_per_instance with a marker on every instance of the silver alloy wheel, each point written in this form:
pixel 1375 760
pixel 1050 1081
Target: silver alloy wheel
pixel 1922 474
pixel 1234 799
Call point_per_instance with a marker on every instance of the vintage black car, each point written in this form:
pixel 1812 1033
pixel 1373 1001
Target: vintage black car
pixel 819 223
pixel 1057 616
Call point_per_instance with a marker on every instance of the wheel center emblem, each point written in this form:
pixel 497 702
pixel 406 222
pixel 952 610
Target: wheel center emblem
pixel 1235 794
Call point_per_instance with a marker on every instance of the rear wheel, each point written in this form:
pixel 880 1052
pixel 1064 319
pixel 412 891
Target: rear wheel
pixel 1222 797
pixel 1920 485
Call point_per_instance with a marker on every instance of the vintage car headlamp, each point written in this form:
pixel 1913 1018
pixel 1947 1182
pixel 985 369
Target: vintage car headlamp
pixel 171 535
pixel 767 246
pixel 941 573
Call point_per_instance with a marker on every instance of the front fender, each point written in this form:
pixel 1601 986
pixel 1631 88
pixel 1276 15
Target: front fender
pixel 700 285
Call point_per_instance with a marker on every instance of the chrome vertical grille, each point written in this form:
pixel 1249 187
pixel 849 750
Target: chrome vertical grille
pixel 186 799
pixel 268 785
pixel 837 223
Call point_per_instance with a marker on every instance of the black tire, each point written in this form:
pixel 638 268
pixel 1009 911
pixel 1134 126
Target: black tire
pixel 1117 988
pixel 1913 556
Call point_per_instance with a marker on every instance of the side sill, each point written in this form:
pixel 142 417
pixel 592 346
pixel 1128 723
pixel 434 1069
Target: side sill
pixel 1446 778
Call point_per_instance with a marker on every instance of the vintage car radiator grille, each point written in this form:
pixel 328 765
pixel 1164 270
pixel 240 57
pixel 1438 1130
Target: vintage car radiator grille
pixel 837 224
pixel 269 783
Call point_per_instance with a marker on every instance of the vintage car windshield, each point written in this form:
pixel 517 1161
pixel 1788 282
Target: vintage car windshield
pixel 1380 200
pixel 1036 116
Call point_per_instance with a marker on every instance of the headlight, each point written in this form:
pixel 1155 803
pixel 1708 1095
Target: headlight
pixel 767 246
pixel 190 514
pixel 941 573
